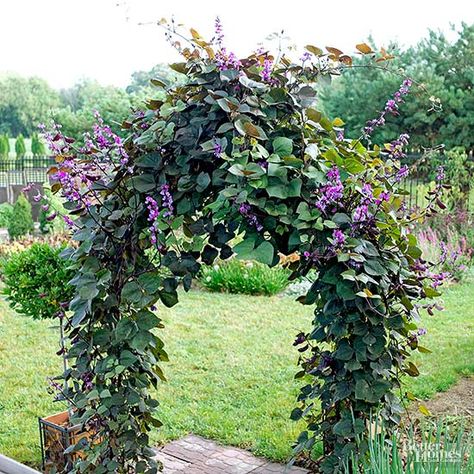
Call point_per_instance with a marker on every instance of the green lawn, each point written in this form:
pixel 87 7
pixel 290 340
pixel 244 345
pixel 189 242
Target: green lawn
pixel 230 371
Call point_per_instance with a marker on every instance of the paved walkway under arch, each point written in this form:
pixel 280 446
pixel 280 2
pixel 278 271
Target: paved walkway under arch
pixel 195 455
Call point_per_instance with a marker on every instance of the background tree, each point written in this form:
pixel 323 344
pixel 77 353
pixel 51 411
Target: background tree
pixel 443 67
pixel 25 102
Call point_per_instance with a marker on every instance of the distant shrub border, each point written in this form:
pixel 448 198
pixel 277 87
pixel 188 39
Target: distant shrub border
pixel 240 149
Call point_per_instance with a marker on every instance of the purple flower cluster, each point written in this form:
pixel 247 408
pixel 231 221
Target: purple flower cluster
pixel 102 151
pixel 339 238
pixel 395 148
pixel 331 193
pixel 227 60
pixel 153 215
pixel 391 107
pixel 245 210
pixel 306 56
pixel 166 200
pixel 439 278
pixel 402 173
pixel 87 378
pixel 106 139
pixel 440 175
pixel 361 214
pixel 167 206
pixel 266 72
pixel 383 196
pixel 217 149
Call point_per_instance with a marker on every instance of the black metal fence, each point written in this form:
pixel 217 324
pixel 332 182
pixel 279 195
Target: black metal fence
pixel 423 173
pixel 16 173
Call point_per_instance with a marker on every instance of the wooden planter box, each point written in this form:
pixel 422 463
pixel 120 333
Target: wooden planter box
pixel 56 435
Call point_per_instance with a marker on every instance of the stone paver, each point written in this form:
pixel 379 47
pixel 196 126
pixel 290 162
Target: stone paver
pixel 195 455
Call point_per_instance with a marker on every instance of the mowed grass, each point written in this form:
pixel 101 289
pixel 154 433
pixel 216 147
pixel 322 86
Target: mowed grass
pixel 230 372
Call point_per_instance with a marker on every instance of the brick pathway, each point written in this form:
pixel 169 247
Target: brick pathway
pixel 196 455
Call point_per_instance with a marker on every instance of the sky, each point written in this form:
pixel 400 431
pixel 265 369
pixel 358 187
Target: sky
pixel 64 41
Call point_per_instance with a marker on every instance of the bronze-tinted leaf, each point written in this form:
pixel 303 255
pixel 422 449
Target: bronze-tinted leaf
pixel 364 48
pixel 345 59
pixel 314 49
pixel 336 52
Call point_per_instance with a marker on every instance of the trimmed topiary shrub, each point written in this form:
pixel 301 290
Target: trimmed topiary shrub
pixel 20 147
pixel 4 146
pixel 37 146
pixel 21 222
pixel 249 278
pixel 36 281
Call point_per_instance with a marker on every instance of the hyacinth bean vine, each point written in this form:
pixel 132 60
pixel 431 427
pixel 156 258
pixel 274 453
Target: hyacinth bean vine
pixel 239 150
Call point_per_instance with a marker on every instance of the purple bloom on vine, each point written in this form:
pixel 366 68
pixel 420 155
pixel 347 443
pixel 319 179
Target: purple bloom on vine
pixel 324 362
pixel 439 278
pixel 245 210
pixel 421 332
pixel 306 56
pixel 167 200
pixel 339 238
pixel 44 207
pixel 266 72
pixel 68 221
pixel 395 148
pixel 217 149
pixel 361 213
pixel 333 174
pixel 300 338
pixel 51 217
pixel 226 60
pixel 153 214
pixel 37 197
pixel 440 175
pixel 444 251
pixel 314 256
pixel 331 193
pixel 391 107
pixel 383 196
pixel 402 173
pixel 340 135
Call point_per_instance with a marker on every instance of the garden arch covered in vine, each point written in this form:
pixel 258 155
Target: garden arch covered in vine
pixel 238 150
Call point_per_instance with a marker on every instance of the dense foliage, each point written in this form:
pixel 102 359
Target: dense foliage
pixel 248 278
pixel 239 149
pixel 21 222
pixel 20 147
pixel 6 212
pixel 4 146
pixel 36 281
pixel 444 67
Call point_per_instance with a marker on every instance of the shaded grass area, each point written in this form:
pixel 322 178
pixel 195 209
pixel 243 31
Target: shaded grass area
pixel 230 372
